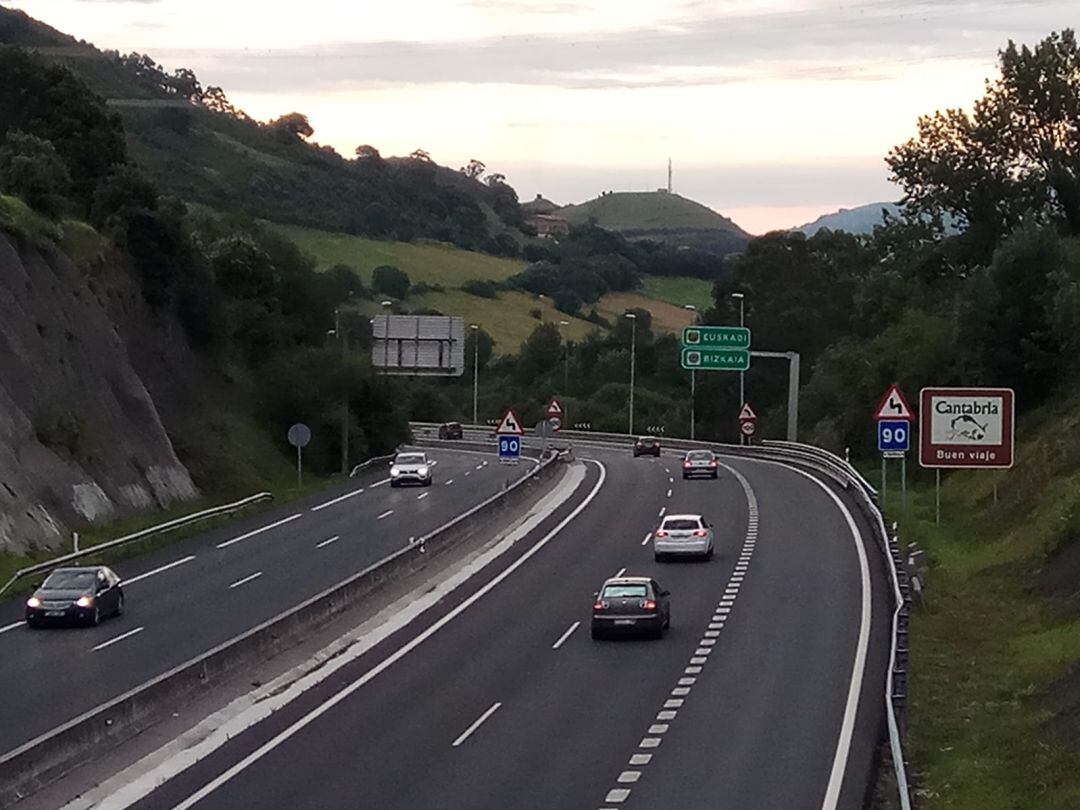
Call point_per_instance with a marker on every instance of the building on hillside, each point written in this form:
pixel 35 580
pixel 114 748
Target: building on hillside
pixel 549 225
pixel 540 205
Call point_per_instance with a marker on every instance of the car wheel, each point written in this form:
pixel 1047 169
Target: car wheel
pixel 428 483
pixel 32 623
pixel 658 632
pixel 393 484
pixel 596 634
pixel 709 553
pixel 119 606
pixel 715 476
pixel 659 557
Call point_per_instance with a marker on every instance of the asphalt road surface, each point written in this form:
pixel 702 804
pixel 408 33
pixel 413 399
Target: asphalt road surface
pixel 196 594
pixel 766 692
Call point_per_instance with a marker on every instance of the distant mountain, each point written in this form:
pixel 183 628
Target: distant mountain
pixel 860 220
pixel 663 217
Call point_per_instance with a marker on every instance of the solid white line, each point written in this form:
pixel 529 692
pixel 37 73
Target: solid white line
pixel 422 495
pixel 669 493
pixel 565 635
pixel 344 497
pixel 449 481
pixel 400 653
pixel 328 541
pixel 385 514
pixel 260 531
pixel 130 580
pixel 11 626
pixel 121 637
pixel 620 572
pixel 465 734
pixel 662 510
pixel 246 580
pixel 648 537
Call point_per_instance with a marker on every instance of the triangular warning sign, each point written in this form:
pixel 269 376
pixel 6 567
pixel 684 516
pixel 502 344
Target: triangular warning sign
pixel 894 406
pixel 510 424
pixel 555 408
pixel 747 413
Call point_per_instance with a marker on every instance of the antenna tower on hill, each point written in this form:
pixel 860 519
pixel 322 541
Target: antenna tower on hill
pixel 669 175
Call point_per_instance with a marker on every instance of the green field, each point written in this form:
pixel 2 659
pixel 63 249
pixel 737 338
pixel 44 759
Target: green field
pixel 679 290
pixel 433 262
pixel 646 210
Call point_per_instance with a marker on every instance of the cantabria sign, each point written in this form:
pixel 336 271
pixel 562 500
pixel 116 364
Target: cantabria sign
pixel 966 427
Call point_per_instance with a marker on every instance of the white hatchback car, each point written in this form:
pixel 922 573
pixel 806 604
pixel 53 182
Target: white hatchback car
pixel 410 468
pixel 683 535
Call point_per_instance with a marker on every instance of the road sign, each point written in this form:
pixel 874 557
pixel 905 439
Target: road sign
pixel 747 412
pixel 894 405
pixel 509 424
pixel 555 414
pixel 719 337
pixel 299 435
pixel 715 359
pixel 893 436
pixel 748 427
pixel 966 427
pixel 509 448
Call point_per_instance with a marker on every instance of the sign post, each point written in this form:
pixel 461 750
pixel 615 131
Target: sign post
pixel 556 415
pixel 509 434
pixel 894 417
pixel 299 436
pixel 747 424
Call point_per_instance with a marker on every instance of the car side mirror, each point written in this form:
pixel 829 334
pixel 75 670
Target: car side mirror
pixel 596 594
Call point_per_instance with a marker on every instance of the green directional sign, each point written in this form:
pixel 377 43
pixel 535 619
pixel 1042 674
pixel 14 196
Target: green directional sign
pixel 714 359
pixel 726 337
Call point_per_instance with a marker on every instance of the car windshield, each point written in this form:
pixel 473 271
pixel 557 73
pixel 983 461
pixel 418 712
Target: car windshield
pixel 682 523
pixel 69 580
pixel 700 455
pixel 410 458
pixel 633 590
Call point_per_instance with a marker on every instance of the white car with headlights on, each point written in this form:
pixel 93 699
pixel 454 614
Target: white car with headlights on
pixel 410 468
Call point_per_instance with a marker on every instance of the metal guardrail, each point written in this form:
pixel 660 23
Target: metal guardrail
pixel 371 462
pixel 176 523
pixel 851 479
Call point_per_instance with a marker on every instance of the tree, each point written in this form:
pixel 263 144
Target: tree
pixel 391 281
pixel 474 170
pixel 30 168
pixel 540 353
pixel 420 155
pixel 366 151
pixel 478 338
pixel 293 125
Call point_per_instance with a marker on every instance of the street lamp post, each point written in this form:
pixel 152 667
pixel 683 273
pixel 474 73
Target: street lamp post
pixel 475 366
pixel 693 385
pixel 566 357
pixel 738 296
pixel 633 352
pixel 339 333
pixel 386 338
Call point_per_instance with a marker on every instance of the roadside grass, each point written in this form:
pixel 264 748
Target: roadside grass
pixel 665 317
pixel 18 218
pixel 679 290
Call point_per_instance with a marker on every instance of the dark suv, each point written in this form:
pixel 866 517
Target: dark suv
pixel 647 446
pixel 450 430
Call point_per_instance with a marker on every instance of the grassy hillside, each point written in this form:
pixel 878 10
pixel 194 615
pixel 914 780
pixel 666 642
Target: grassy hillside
pixel 679 290
pixel 635 211
pixel 995 713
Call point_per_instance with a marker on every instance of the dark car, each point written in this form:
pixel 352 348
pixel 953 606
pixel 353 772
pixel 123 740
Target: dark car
pixel 84 595
pixel 631 605
pixel 451 430
pixel 647 446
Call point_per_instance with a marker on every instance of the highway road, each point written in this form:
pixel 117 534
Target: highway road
pixel 766 693
pixel 195 594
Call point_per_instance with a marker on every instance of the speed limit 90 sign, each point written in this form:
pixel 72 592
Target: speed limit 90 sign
pixel 894 435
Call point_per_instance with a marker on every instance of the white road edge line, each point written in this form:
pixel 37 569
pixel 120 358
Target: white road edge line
pixel 139 577
pixel 465 734
pixel 120 637
pixel 344 497
pixel 380 483
pixel 385 514
pixel 281 522
pixel 246 580
pixel 328 541
pixel 393 658
pixel 565 635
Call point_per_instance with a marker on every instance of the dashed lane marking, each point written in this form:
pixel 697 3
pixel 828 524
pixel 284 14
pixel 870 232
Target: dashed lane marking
pixel 422 495
pixel 328 541
pixel 385 514
pixel 339 499
pixel 139 577
pixel 648 537
pixel 281 522
pixel 120 637
pixel 565 635
pixel 11 626
pixel 478 722
pixel 246 580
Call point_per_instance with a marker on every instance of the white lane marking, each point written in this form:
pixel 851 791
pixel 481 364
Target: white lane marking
pixel 120 637
pixel 696 670
pixel 669 493
pixel 617 795
pixel 662 510
pixel 667 715
pixel 698 660
pixel 328 541
pixel 380 483
pixel 667 469
pixel 281 522
pixel 467 472
pixel 11 626
pixel 674 703
pixel 449 481
pixel 394 657
pixel 620 572
pixel 344 497
pixel 565 635
pixel 479 466
pixel 479 721
pixel 671 480
pixel 650 742
pixel 687 681
pixel 681 691
pixel 422 495
pixel 628 777
pixel 139 577
pixel 385 514
pixel 648 537
pixel 246 580
pixel 640 759
pixel 659 728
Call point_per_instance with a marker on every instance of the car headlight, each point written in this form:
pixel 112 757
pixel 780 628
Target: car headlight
pixel 84 601
pixel 394 471
pixel 423 471
pixel 33 602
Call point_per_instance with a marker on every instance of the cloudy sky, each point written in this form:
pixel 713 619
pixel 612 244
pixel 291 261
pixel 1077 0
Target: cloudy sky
pixel 773 111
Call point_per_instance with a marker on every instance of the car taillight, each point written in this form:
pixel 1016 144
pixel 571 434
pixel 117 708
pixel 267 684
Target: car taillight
pixel 661 533
pixel 701 533
pixel 599 605
pixel 649 604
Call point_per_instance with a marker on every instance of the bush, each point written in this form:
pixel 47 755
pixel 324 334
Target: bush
pixel 481 288
pixel 391 281
pixel 30 168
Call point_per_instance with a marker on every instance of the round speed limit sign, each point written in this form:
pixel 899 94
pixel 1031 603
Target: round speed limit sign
pixel 748 427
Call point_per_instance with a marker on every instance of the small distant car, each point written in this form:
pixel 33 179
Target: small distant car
pixel 700 463
pixel 451 430
pixel 633 605
pixel 410 468
pixel 683 536
pixel 647 446
pixel 85 595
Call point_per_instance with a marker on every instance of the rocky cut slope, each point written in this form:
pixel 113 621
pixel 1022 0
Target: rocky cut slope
pixel 81 440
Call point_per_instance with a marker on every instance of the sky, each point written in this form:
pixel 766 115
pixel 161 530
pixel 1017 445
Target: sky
pixel 772 111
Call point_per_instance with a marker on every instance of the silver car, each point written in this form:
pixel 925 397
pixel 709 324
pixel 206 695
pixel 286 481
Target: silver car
pixel 683 535
pixel 700 462
pixel 410 468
